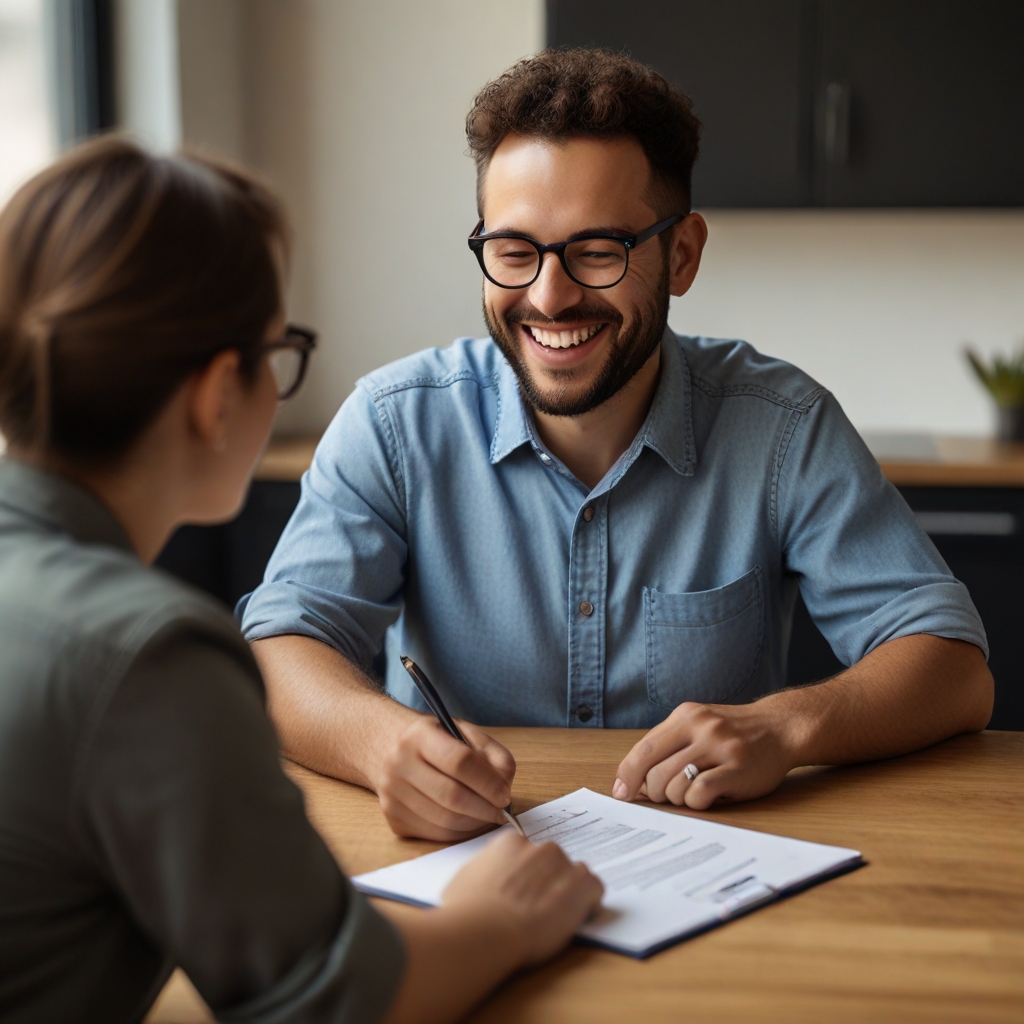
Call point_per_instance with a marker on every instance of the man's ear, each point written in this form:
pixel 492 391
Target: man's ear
pixel 214 389
pixel 688 238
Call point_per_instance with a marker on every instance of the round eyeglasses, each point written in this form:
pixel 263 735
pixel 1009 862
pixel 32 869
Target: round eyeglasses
pixel 593 260
pixel 289 358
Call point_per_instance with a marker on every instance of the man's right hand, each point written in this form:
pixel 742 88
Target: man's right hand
pixel 431 786
pixel 332 718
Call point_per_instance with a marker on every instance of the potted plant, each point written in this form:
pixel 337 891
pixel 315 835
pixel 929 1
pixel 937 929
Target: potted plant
pixel 1003 378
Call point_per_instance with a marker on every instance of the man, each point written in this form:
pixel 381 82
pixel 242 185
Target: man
pixel 588 521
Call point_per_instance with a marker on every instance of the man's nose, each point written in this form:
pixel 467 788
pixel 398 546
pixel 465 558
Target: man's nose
pixel 553 290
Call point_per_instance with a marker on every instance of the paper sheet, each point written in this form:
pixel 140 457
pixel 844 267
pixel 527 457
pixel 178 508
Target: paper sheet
pixel 667 876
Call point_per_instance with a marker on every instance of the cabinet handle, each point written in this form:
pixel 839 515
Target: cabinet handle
pixel 837 123
pixel 968 524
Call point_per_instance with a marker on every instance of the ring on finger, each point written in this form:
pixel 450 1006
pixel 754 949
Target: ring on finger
pixel 691 771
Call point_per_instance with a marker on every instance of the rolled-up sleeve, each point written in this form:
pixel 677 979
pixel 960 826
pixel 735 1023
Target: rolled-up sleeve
pixel 181 798
pixel 867 571
pixel 338 569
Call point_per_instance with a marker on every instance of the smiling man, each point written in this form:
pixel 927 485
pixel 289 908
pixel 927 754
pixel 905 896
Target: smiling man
pixel 586 520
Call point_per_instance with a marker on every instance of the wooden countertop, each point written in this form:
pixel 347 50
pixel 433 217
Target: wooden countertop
pixel 932 929
pixel 908 460
pixel 924 460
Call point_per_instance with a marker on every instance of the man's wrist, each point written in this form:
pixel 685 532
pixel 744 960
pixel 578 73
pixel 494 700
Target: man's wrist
pixel 383 725
pixel 804 717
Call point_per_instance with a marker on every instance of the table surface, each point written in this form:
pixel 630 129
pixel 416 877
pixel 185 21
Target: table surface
pixel 932 929
pixel 908 460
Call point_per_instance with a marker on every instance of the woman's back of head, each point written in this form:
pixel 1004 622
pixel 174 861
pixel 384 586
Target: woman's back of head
pixel 121 273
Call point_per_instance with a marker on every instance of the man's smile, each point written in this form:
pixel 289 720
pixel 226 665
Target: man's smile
pixel 560 345
pixel 569 337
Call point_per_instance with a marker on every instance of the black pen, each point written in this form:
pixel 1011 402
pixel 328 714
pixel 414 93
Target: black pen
pixel 434 702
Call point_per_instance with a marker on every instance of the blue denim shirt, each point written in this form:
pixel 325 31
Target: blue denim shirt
pixel 435 523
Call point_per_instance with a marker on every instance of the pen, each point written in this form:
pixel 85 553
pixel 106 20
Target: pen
pixel 434 702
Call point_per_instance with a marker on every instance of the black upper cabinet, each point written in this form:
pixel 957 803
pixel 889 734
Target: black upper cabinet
pixel 834 102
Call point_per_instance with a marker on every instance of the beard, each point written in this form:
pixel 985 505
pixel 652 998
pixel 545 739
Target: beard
pixel 572 395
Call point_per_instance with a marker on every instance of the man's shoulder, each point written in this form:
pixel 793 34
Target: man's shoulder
pixel 477 361
pixel 722 368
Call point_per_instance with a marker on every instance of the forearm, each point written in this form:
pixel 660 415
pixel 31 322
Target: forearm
pixel 327 713
pixel 906 694
pixel 454 959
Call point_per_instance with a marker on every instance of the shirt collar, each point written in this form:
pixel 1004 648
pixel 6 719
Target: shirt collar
pixel 54 500
pixel 668 429
pixel 512 429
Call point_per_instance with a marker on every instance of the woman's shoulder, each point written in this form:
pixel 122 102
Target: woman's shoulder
pixel 85 611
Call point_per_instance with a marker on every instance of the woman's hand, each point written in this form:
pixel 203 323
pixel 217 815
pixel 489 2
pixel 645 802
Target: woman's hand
pixel 539 894
pixel 513 906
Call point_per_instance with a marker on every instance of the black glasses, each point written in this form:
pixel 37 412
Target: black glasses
pixel 289 358
pixel 594 260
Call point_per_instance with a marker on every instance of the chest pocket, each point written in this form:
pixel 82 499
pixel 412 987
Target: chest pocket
pixel 703 646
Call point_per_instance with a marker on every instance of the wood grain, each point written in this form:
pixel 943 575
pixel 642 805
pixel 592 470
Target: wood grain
pixel 932 929
pixel 960 462
pixel 286 458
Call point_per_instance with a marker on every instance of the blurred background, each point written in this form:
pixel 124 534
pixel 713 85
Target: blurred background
pixel 354 110
pixel 862 175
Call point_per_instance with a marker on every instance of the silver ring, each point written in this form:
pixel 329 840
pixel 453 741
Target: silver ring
pixel 691 771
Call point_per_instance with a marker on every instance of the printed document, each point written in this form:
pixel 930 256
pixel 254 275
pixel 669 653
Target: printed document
pixel 666 876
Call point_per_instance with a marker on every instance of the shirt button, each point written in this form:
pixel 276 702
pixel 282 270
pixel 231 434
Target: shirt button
pixel 546 459
pixel 588 513
pixel 588 609
pixel 583 713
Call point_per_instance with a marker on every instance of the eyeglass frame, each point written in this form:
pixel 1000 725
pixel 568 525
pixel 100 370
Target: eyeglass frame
pixel 303 340
pixel 476 244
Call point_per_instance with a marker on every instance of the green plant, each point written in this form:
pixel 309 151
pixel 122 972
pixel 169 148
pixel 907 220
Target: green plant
pixel 1003 377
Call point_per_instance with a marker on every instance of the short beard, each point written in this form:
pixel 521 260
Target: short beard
pixel 632 347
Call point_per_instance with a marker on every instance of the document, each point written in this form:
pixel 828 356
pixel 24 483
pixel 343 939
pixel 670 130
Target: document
pixel 666 876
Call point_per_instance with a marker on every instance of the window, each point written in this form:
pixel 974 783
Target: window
pixel 26 125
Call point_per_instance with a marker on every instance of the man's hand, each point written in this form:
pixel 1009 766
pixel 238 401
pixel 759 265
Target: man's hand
pixel 741 752
pixel 334 719
pixel 904 695
pixel 431 786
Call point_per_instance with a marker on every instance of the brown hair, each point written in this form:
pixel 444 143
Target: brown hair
pixel 121 273
pixel 573 93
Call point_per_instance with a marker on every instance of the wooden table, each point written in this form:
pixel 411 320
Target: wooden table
pixel 931 930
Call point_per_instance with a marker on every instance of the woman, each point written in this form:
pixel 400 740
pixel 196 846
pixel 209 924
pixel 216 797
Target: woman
pixel 144 818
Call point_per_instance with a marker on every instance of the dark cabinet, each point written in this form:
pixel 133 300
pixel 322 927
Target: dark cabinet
pixel 228 561
pixel 980 533
pixel 849 103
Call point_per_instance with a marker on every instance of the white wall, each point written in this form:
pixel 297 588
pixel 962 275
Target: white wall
pixel 876 305
pixel 355 109
pixel 356 112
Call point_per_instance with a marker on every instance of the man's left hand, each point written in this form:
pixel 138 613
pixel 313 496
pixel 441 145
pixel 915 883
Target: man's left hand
pixel 900 697
pixel 741 752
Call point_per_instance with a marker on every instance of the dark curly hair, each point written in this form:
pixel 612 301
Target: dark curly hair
pixel 591 93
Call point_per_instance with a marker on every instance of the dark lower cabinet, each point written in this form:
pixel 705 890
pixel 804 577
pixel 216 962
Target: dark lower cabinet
pixel 228 561
pixel 980 533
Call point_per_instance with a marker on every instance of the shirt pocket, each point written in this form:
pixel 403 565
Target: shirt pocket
pixel 703 646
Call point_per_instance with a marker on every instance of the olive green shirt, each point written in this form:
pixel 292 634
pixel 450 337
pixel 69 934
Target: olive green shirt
pixel 145 821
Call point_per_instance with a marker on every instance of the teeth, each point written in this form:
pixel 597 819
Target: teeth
pixel 565 339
